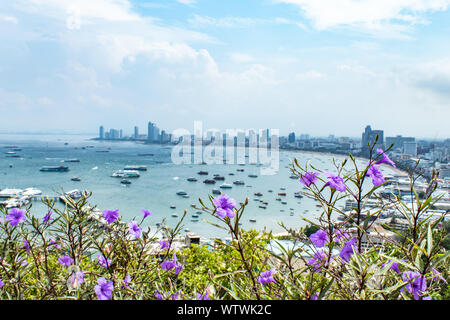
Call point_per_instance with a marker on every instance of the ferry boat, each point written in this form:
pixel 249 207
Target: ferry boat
pixel 134 167
pixel 226 186
pixel 54 169
pixel 126 174
pixel 203 172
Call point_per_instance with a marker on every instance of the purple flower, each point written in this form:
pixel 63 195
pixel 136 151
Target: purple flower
pixel 308 178
pixel 164 244
pixel 126 280
pixel 267 277
pixel 340 235
pixel 203 296
pixel 65 261
pixel 158 295
pixel 111 215
pixel 53 242
pixel 104 289
pixel 317 260
pixel 319 238
pixel 1 283
pixel 26 247
pixel 170 264
pixel 315 296
pixel 437 275
pixel 394 266
pixel 385 158
pixel 348 249
pixel 77 278
pixel 224 206
pixel 47 217
pixel 146 213
pixel 101 260
pixel 376 175
pixel 16 216
pixel 416 283
pixel 335 182
pixel 134 229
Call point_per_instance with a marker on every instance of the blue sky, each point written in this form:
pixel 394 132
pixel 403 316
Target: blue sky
pixel 319 67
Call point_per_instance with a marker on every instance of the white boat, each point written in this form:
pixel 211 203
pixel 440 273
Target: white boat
pixel 126 174
pixel 226 186
pixel 31 192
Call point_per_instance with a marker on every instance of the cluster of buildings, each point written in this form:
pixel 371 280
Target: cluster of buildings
pixel 154 135
pixel 405 151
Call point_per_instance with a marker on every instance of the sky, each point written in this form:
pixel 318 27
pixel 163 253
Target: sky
pixel 310 66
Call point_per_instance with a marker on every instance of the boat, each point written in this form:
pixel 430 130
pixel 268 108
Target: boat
pixel 126 174
pixel 252 220
pixel 75 179
pixel 239 182
pixel 174 215
pixel 282 194
pixel 191 179
pixel 253 176
pixel 219 178
pixel 202 172
pixel 258 194
pixel 293 176
pixel 102 151
pixel 283 202
pixel 209 181
pixel 216 191
pixel 226 186
pixel 135 167
pixel 54 169
pixel 173 207
pixel 125 181
pixel 181 193
pixel 73 194
pixel 71 160
pixel 240 170
pixel 262 207
pixel 145 154
pixel 195 216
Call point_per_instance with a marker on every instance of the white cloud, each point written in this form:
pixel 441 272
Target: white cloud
pixel 9 19
pixel 374 15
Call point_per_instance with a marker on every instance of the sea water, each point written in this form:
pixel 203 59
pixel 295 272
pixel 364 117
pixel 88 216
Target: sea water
pixel 156 188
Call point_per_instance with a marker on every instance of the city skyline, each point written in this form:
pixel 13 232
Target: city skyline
pixel 296 65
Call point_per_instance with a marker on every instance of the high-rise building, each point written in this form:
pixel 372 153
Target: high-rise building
pixel 151 131
pixel 410 148
pixel 398 141
pixel 136 132
pixel 291 137
pixel 101 133
pixel 369 136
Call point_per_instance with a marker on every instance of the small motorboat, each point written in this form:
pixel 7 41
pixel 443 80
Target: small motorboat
pixel 75 179
pixel 226 186
pixel 252 220
pixel 192 179
pixel 282 194
pixel 216 191
pixel 125 181
pixel 202 172
pixel 253 176
pixel 239 182
pixel 173 207
pixel 181 193
pixel 209 181
pixel 258 194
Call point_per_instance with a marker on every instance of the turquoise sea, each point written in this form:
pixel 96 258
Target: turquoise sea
pixel 156 188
